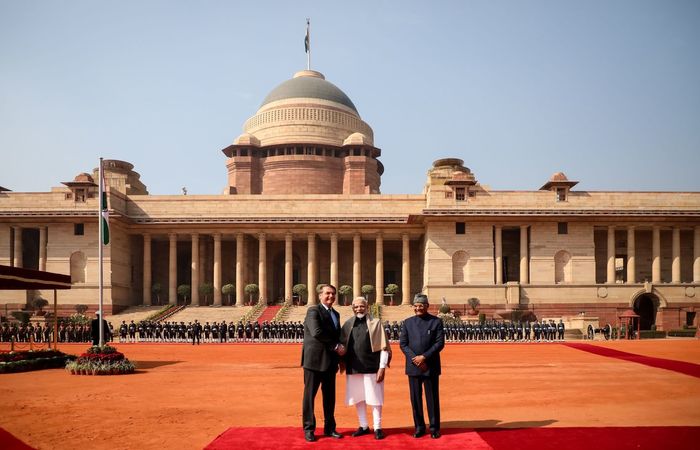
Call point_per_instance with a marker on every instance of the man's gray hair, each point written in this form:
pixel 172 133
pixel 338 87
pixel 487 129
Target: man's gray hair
pixel 362 299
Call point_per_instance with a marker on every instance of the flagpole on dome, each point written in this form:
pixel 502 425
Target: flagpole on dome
pixel 307 44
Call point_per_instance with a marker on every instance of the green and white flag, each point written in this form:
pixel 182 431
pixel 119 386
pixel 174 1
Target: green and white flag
pixel 104 212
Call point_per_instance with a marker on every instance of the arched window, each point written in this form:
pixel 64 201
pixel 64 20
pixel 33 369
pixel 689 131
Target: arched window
pixel 562 267
pixel 460 267
pixel 78 264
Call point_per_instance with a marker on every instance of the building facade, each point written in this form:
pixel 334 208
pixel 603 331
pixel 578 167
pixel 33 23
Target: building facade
pixel 303 206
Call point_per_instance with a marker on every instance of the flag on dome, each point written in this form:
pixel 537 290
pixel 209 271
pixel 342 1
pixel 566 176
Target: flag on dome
pixel 307 40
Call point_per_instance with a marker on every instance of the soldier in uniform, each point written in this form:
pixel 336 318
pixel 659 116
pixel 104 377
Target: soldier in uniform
pixel 248 331
pixel 256 331
pixel 223 331
pixel 196 332
pixel 132 331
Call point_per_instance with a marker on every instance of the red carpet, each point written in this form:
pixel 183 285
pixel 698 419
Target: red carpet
pixel 669 364
pixel 578 438
pixel 9 442
pixel 269 313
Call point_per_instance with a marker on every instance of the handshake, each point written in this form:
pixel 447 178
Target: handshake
pixel 340 349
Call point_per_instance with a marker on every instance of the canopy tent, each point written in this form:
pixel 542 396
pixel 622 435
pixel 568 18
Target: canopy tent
pixel 15 278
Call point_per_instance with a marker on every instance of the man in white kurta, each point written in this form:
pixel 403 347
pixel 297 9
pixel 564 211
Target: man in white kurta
pixel 368 355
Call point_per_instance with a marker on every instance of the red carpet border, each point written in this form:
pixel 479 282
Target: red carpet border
pixel 683 367
pixel 570 438
pixel 9 442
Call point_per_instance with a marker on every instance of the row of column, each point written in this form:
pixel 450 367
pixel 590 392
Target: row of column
pixel 655 255
pixel 312 267
pixel 631 258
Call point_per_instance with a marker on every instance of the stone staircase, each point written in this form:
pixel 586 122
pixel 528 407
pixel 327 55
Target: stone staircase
pixel 210 314
pixel 135 313
pixel 269 313
pixel 396 313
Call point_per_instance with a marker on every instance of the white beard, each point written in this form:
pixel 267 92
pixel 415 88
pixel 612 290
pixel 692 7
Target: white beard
pixel 360 316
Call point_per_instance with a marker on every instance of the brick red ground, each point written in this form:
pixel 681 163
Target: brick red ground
pixel 185 396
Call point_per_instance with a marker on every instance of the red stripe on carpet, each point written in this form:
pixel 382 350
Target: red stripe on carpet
pixel 604 438
pixel 292 438
pixel 683 367
pixel 569 438
pixel 9 442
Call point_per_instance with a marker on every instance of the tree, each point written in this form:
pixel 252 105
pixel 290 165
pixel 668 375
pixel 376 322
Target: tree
pixel 251 290
pixel 300 290
pixel 345 290
pixel 156 289
pixel 391 289
pixel 80 309
pixel 22 316
pixel 227 290
pixel 367 290
pixel 39 304
pixel 184 291
pixel 205 290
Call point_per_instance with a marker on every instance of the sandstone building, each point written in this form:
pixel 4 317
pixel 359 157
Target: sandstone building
pixel 303 205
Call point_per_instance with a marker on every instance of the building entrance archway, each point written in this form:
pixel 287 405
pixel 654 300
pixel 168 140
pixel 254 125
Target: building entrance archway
pixel 646 306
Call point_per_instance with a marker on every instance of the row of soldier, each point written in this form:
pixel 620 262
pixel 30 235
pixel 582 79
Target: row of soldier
pixel 505 331
pixel 29 332
pixel 197 332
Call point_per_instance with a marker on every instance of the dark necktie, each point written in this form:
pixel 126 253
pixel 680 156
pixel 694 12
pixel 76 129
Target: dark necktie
pixel 335 319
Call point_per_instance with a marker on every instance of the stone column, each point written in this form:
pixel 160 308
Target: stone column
pixel 240 287
pixel 203 257
pixel 172 269
pixel 631 256
pixel 288 266
pixel 262 266
pixel 406 270
pixel 379 269
pixel 147 281
pixel 696 254
pixel 524 259
pixel 656 255
pixel 195 270
pixel 498 253
pixel 17 262
pixel 217 269
pixel 311 269
pixel 610 278
pixel 42 248
pixel 676 261
pixel 356 265
pixel 334 260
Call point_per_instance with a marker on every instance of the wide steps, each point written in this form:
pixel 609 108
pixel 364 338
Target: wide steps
pixel 210 314
pixel 135 313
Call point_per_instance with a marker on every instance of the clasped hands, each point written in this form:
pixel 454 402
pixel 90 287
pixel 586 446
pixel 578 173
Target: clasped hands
pixel 419 361
pixel 340 349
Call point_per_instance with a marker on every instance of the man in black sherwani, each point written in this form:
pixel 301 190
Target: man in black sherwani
pixel 422 339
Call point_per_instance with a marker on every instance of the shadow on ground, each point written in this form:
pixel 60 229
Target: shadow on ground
pixel 484 424
pixel 153 364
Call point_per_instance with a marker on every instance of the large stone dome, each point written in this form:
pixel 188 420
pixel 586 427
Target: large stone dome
pixel 306 109
pixel 309 84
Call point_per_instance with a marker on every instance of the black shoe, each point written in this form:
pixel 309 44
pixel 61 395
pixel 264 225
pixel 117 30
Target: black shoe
pixel 334 435
pixel 309 436
pixel 419 433
pixel 435 434
pixel 361 432
pixel 379 434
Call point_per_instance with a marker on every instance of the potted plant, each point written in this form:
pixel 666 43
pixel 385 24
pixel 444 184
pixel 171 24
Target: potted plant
pixel 251 290
pixel 184 291
pixel 474 305
pixel 391 289
pixel 300 290
pixel 345 290
pixel 367 290
pixel 227 290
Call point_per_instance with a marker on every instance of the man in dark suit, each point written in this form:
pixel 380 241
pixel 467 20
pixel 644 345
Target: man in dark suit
pixel 320 354
pixel 95 330
pixel 422 339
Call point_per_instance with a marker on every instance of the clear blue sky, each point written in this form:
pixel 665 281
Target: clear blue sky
pixel 607 91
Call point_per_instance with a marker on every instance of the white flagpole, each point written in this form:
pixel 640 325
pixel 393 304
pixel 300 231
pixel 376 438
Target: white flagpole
pixel 100 253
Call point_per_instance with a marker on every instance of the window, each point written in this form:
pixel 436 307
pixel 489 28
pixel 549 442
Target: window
pixel 459 194
pixel 79 229
pixel 460 228
pixel 471 194
pixel 561 194
pixel 563 228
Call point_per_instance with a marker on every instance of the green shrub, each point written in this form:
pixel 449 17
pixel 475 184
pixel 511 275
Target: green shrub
pixel 682 333
pixel 652 334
